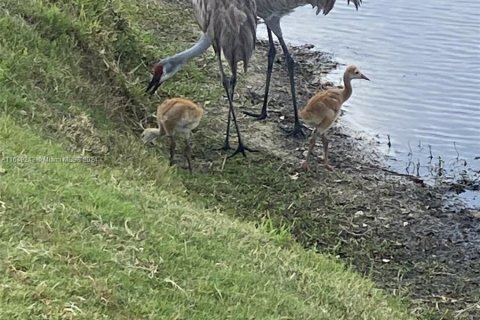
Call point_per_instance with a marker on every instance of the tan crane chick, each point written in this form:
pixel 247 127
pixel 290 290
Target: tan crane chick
pixel 324 108
pixel 175 116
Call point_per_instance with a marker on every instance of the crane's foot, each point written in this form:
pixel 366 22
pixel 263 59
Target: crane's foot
pixel 257 116
pixel 241 149
pixel 297 131
pixel 225 147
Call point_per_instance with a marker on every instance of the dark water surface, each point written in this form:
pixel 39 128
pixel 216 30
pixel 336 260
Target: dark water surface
pixel 423 58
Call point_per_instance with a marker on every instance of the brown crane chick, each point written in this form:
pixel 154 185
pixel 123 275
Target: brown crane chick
pixel 175 116
pixel 324 108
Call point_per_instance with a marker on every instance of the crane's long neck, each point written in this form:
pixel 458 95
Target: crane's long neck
pixel 197 49
pixel 347 89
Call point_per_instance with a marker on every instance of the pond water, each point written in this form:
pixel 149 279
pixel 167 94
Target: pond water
pixel 423 58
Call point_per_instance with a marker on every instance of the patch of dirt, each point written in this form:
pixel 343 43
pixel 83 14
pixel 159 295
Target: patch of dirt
pixel 389 226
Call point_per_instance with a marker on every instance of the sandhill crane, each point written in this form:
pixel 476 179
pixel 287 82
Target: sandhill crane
pixel 324 108
pixel 230 27
pixel 175 116
pixel 271 11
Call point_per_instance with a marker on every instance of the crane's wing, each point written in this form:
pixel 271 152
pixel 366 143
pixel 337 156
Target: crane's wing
pixel 231 25
pixel 322 109
pixel 325 6
pixel 356 3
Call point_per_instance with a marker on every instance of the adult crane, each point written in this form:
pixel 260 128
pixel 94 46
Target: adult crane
pixel 230 27
pixel 271 11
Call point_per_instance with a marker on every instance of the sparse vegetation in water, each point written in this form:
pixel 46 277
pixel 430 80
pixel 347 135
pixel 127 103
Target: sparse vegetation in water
pixel 454 174
pixel 128 237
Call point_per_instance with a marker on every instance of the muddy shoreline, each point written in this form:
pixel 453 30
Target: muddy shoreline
pixel 411 238
pixel 391 227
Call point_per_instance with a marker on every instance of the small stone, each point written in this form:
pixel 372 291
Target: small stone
pixel 359 213
pixel 405 224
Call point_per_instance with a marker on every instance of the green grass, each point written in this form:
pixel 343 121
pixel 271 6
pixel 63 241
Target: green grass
pixel 125 238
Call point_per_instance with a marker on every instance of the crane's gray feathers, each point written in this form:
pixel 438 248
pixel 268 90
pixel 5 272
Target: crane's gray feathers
pixel 231 25
pixel 324 6
pixel 356 3
pixel 268 8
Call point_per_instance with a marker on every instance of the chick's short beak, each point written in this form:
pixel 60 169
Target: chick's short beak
pixel 365 77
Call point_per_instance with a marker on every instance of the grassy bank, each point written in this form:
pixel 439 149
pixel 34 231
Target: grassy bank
pixel 92 242
pixel 123 238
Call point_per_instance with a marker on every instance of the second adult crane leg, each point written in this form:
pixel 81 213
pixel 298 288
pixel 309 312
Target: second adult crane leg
pixel 271 57
pixel 298 127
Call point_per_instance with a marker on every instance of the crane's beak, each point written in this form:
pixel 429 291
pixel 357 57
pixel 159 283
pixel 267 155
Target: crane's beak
pixel 364 77
pixel 154 84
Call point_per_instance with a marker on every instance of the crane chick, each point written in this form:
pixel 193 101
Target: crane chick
pixel 175 116
pixel 324 108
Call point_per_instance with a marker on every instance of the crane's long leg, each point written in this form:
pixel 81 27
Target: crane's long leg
pixel 298 128
pixel 233 83
pixel 271 58
pixel 188 152
pixel 226 144
pixel 325 153
pixel 229 86
pixel 311 145
pixel 172 149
